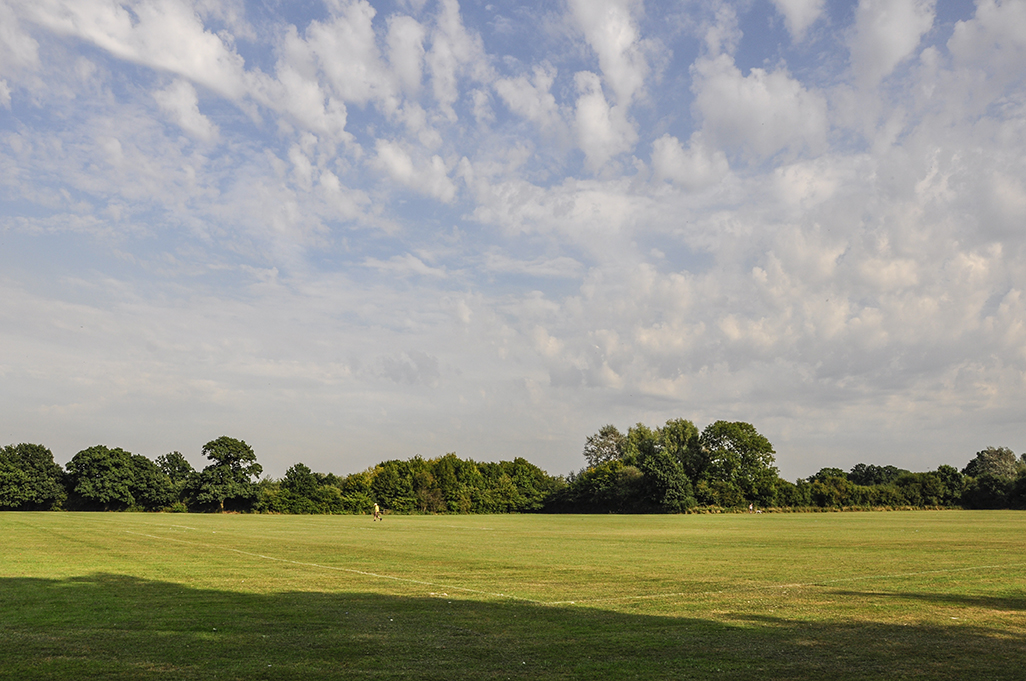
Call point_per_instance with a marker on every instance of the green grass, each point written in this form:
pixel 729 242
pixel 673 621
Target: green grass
pixel 918 595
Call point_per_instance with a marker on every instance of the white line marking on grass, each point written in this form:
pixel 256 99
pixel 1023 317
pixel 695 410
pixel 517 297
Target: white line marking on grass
pixel 579 601
pixel 342 569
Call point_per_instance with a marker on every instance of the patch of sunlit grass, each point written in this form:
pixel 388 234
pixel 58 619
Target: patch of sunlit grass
pixel 926 595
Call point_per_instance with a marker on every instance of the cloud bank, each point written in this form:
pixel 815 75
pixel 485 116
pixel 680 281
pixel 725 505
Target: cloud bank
pixel 363 230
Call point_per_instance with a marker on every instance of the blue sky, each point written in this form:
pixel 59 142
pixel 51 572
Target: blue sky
pixel 350 231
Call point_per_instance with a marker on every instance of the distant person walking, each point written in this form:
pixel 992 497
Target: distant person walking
pixel 751 508
pixel 377 513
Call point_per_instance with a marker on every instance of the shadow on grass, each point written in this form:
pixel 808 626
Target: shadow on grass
pixel 117 627
pixel 1007 603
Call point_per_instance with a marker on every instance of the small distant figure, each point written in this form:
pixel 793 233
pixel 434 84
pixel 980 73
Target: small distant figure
pixel 751 508
pixel 377 513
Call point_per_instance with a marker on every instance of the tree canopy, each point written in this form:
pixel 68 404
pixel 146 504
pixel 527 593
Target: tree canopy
pixel 999 462
pixel 230 479
pixel 30 480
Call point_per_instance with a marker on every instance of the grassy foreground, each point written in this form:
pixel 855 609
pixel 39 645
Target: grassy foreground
pixel 923 595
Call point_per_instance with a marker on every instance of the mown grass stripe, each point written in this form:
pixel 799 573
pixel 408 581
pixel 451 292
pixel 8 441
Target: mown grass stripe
pixel 342 569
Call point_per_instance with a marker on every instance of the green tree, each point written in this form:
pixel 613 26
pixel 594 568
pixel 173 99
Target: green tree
pixel 999 462
pixel 953 483
pixel 793 494
pixel 29 479
pixel 179 471
pixel 833 491
pixel 300 480
pixel 392 486
pixel 605 445
pixel 829 472
pixel 532 483
pixel 870 474
pixel 610 487
pixel 680 439
pixel 229 480
pixel 988 491
pixel 100 478
pixel 298 491
pixel 425 487
pixel 152 489
pixel 641 441
pixel 460 482
pixel 921 489
pixel 740 457
pixel 670 489
pixel 356 492
pixel 1017 496
pixel 176 467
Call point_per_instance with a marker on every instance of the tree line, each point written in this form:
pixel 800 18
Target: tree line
pixel 105 479
pixel 730 465
pixel 674 468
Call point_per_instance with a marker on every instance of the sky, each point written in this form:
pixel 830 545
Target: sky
pixel 351 231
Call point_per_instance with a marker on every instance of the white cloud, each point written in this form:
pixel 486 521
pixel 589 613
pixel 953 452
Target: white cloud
pixel 406 51
pixel 762 113
pixel 453 51
pixel 345 50
pixel 610 30
pixel 799 15
pixel 886 33
pixel 991 47
pixel 161 34
pixel 17 48
pixel 427 176
pixel 406 265
pixel 826 273
pixel 411 367
pixel 179 101
pixel 532 98
pixel 694 168
pixel 558 267
pixel 298 94
pixel 603 131
pixel 721 34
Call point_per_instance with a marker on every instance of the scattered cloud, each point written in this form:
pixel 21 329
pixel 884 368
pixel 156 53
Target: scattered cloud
pixel 344 230
pixel 799 15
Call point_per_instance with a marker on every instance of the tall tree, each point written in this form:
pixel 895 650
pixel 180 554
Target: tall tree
pixel 999 462
pixel 176 466
pixel 101 478
pixel 742 458
pixel 681 440
pixel 392 486
pixel 605 445
pixel 29 479
pixel 668 485
pixel 300 480
pixel 641 442
pixel 460 482
pixel 230 478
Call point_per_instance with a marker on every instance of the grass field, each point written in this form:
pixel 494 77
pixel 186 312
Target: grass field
pixel 923 595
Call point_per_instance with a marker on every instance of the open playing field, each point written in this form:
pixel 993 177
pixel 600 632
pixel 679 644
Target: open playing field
pixel 924 595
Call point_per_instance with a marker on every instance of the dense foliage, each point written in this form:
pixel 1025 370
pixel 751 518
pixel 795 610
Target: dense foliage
pixel 29 479
pixel 444 485
pixel 672 469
